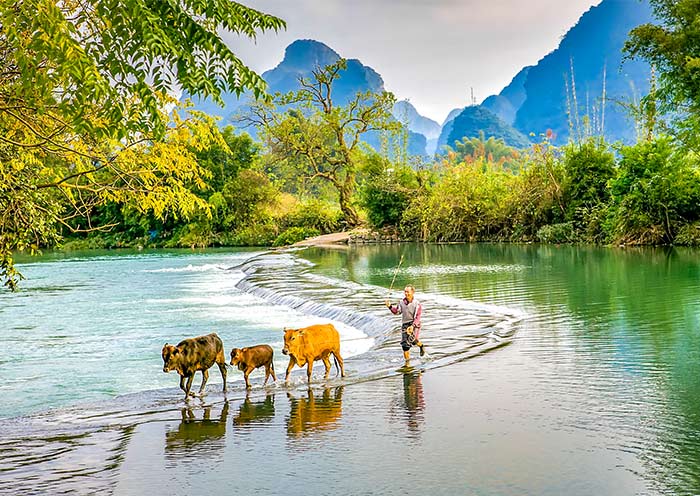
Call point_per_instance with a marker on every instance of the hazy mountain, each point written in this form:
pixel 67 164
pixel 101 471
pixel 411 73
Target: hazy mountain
pixel 303 56
pixel 405 112
pixel 589 52
pixel 300 59
pixel 477 119
pixel 453 113
pixel 446 129
pixel 507 102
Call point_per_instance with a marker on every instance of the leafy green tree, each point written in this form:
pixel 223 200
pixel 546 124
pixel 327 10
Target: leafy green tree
pixel 537 198
pixel 491 149
pixel 225 161
pixel 67 59
pixel 387 190
pixel 588 166
pixel 83 85
pixel 673 48
pixel 656 189
pixel 321 139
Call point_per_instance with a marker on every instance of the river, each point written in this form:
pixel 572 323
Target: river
pixel 549 370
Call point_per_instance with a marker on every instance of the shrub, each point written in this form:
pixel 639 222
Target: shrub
pixel 294 235
pixel 557 233
pixel 536 199
pixel 588 167
pixel 255 235
pixel 465 204
pixel 656 190
pixel 314 214
pixel 386 192
pixel 688 235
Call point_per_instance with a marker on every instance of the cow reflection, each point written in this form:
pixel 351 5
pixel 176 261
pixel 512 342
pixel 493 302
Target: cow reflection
pixel 413 403
pixel 254 412
pixel 200 435
pixel 313 413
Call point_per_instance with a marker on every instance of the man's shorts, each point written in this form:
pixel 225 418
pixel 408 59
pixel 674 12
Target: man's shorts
pixel 407 338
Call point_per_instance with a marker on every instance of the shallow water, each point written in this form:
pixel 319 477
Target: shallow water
pixel 550 370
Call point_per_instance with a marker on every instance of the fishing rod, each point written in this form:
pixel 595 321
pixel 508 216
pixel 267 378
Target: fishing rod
pixel 396 271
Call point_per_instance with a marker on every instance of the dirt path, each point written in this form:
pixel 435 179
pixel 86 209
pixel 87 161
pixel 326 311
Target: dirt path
pixel 326 239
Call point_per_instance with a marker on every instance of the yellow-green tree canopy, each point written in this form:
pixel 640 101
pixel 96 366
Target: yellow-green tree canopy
pixel 322 139
pixel 69 58
pixel 85 90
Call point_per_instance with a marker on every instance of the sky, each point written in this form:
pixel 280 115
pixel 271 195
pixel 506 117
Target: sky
pixel 431 52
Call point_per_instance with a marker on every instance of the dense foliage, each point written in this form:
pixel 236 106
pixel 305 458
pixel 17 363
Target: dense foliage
pixel 673 48
pixel 321 139
pixel 138 175
pixel 83 88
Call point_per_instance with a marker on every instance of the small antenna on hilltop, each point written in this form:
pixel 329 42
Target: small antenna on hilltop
pixel 473 98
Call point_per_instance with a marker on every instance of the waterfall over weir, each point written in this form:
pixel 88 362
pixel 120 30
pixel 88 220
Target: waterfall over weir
pixel 452 329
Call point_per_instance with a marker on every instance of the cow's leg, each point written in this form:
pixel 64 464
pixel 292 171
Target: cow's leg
pixel 289 369
pixel 222 369
pixel 267 373
pixel 205 378
pixel 182 383
pixel 309 369
pixel 272 371
pixel 246 373
pixel 339 361
pixel 327 364
pixel 188 386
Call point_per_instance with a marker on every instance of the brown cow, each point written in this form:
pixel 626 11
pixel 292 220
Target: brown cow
pixel 249 359
pixel 193 354
pixel 308 344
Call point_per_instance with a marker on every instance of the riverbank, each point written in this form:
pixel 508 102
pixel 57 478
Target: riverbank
pixel 359 236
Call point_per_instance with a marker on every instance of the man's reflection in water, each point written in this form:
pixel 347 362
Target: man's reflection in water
pixel 255 412
pixel 413 403
pixel 205 434
pixel 313 413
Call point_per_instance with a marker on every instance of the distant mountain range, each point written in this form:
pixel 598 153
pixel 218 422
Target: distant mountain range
pixel 562 92
pixel 300 59
pixel 565 89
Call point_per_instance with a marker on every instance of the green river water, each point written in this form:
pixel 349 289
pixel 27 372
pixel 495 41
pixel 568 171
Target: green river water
pixel 550 370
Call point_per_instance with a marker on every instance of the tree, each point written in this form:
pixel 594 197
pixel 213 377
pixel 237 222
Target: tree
pixel 83 88
pixel 673 48
pixel 588 166
pixel 65 60
pixel 655 191
pixel 386 190
pixel 322 139
pixel 491 150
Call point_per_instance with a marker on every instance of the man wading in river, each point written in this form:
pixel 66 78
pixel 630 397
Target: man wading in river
pixel 410 310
